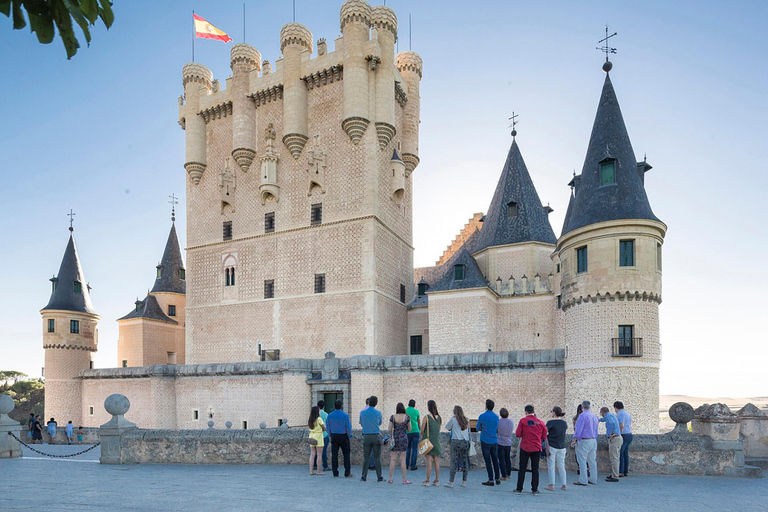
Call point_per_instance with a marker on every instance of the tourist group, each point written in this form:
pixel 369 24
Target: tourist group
pixel 410 434
pixel 35 430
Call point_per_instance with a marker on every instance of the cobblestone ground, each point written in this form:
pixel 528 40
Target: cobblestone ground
pixel 36 483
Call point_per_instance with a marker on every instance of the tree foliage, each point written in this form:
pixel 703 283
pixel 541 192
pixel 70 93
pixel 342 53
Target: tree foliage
pixel 28 395
pixel 44 15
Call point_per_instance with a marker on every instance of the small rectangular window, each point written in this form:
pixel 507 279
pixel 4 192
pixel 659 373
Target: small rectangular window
pixel 269 289
pixel 512 209
pixel 171 357
pixel 607 173
pixel 626 253
pixel 458 272
pixel 51 325
pixel 195 414
pixel 74 326
pixel 402 293
pixel 182 274
pixel 316 216
pixel 90 365
pixel 658 257
pixel 90 411
pixel 227 230
pixel 581 259
pixel 626 344
pixel 269 222
pixel 558 268
pixel 319 283
pixel 159 272
pixel 171 310
pixel 559 302
pixel 78 287
pixel 245 425
pixel 125 363
pixel 416 345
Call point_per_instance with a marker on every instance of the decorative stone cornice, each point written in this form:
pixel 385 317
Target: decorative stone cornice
pixel 217 111
pixel 400 95
pixel 355 128
pixel 324 76
pixel 409 61
pixel 70 347
pixel 355 11
pixel 385 132
pixel 384 18
pixel 242 53
pixel 636 296
pixel 267 95
pixel 194 72
pixel 195 171
pixel 411 161
pixel 295 143
pixel 295 33
pixel 244 157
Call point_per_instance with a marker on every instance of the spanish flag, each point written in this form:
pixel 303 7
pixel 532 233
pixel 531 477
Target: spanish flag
pixel 207 31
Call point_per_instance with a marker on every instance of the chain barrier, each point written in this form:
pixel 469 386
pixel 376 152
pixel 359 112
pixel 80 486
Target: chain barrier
pixel 50 455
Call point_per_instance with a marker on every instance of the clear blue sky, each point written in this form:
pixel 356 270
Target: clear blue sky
pixel 99 134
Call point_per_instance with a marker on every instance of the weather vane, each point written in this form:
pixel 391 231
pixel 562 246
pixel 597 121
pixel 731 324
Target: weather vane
pixel 173 202
pixel 606 49
pixel 514 123
pixel 71 216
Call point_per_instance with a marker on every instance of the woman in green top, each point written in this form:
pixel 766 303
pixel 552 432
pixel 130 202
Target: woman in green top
pixel 430 429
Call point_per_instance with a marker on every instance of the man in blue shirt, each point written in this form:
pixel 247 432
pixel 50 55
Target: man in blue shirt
pixel 613 433
pixel 370 420
pixel 487 424
pixel 625 424
pixel 340 429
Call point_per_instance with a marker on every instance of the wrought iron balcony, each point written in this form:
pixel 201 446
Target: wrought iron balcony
pixel 627 347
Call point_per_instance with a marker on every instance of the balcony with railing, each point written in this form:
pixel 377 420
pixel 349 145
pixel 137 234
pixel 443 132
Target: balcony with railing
pixel 627 347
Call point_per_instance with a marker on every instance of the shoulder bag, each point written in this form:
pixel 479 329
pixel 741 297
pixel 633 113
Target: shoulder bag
pixel 425 446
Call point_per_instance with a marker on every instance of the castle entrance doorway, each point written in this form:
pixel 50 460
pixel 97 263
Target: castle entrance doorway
pixel 330 400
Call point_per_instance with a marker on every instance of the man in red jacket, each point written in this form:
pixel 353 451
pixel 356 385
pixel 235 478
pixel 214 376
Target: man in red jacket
pixel 532 432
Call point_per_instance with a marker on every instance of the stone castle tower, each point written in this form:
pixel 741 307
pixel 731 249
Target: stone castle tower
pixel 608 259
pixel 70 337
pixel 300 196
pixel 153 333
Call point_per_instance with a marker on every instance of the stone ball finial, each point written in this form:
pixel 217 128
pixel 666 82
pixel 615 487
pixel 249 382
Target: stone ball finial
pixel 117 404
pixel 228 424
pixel 295 33
pixel 409 61
pixel 262 425
pixel 355 11
pixel 194 72
pixel 681 412
pixel 246 54
pixel 6 404
pixel 384 18
pixel 210 423
pixel 607 66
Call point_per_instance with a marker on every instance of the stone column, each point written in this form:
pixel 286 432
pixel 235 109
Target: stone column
pixel 754 431
pixel 9 447
pixel 111 431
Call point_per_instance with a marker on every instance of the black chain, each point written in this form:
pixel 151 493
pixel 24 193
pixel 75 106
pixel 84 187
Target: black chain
pixel 54 456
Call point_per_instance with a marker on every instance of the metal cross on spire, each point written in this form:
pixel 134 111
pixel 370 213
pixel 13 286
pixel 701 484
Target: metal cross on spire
pixel 173 202
pixel 606 48
pixel 71 216
pixel 514 123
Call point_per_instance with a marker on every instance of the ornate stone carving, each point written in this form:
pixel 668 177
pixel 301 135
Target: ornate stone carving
pixel 374 61
pixel 295 33
pixel 324 76
pixel 195 171
pixel 409 61
pixel 318 163
pixel 217 111
pixel 245 54
pixel 269 160
pixel 384 18
pixel 385 132
pixel 193 72
pixel 355 10
pixel 244 157
pixel 322 47
pixel 266 67
pixel 400 95
pixel 267 95
pixel 411 162
pixel 227 185
pixel 355 128
pixel 295 143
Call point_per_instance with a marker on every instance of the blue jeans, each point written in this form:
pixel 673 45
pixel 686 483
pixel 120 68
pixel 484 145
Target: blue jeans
pixel 491 457
pixel 326 442
pixel 412 452
pixel 624 454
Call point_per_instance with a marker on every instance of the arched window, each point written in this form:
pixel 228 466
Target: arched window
pixel 230 264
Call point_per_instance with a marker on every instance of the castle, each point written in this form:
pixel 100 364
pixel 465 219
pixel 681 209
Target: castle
pixel 300 282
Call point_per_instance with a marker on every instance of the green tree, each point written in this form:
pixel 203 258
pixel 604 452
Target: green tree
pixel 9 377
pixel 45 14
pixel 29 397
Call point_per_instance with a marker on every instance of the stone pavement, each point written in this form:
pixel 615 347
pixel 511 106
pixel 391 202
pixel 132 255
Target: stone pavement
pixel 36 483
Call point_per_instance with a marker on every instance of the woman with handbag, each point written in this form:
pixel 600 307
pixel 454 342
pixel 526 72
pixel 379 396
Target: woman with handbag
pixel 430 431
pixel 316 429
pixel 458 426
pixel 398 440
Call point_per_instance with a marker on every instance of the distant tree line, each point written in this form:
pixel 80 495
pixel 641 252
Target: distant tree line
pixel 28 395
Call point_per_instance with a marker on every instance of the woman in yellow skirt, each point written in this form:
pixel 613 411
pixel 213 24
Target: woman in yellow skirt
pixel 316 429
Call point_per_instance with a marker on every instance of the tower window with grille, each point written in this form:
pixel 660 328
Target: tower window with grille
pixel 608 172
pixel 458 272
pixel 227 230
pixel 402 293
pixel 316 215
pixel 269 289
pixel 171 310
pixel 78 287
pixel 269 222
pixel 416 347
pixel 74 326
pixel 626 253
pixel 51 325
pixel 581 259
pixel 512 209
pixel 319 283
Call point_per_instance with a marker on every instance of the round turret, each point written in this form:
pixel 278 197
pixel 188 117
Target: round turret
pixel 194 72
pixel 295 33
pixel 355 11
pixel 246 55
pixel 409 61
pixel 384 18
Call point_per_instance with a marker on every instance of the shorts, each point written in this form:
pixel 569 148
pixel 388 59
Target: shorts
pixel 80 438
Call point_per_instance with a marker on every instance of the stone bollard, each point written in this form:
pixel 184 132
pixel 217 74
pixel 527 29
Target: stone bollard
pixel 754 431
pixel 9 447
pixel 228 424
pixel 717 422
pixel 681 413
pixel 110 432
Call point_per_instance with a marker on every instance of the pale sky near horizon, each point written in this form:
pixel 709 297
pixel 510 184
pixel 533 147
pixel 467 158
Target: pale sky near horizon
pixel 99 134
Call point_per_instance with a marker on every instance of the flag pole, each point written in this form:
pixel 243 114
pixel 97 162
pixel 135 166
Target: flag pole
pixel 193 35
pixel 243 21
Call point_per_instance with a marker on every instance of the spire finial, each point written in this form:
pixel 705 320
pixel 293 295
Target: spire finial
pixel 514 123
pixel 71 216
pixel 606 49
pixel 173 202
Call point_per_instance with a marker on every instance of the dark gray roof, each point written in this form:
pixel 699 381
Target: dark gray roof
pixel 150 309
pixel 626 199
pixel 395 156
pixel 419 300
pixel 171 266
pixel 531 222
pixel 64 296
pixel 568 212
pixel 473 276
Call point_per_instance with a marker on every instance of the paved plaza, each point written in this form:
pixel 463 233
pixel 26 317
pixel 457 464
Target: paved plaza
pixel 36 483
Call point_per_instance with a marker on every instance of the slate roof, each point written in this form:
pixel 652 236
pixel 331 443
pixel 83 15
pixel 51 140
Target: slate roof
pixel 170 278
pixel 64 297
pixel 150 309
pixel 419 300
pixel 531 222
pixel 473 276
pixel 626 199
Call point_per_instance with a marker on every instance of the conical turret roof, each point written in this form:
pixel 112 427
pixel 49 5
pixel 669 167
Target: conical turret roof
pixel 530 221
pixel 171 267
pixel 624 199
pixel 71 291
pixel 473 276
